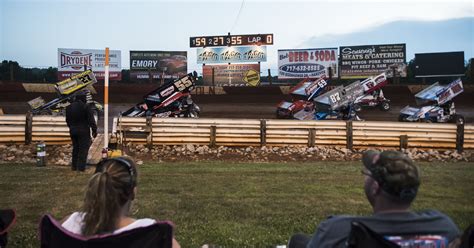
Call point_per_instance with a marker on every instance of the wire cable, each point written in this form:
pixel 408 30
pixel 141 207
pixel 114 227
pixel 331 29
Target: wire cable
pixel 238 15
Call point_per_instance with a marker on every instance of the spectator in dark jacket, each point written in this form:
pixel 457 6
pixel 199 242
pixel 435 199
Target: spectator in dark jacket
pixel 80 120
pixel 391 184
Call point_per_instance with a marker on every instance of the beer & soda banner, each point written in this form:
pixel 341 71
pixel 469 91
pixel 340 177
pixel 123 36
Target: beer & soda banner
pixel 307 63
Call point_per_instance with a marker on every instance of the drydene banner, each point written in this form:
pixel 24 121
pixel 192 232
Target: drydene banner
pixel 158 64
pixel 370 60
pixel 307 63
pixel 71 62
pixel 230 75
pixel 233 54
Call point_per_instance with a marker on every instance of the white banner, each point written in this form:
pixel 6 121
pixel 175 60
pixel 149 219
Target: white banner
pixel 233 54
pixel 311 63
pixel 72 61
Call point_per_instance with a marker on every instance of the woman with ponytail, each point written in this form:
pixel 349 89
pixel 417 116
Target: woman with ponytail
pixel 107 201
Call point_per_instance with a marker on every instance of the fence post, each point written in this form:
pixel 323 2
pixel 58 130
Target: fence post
pixel 263 132
pixel 349 139
pixel 120 131
pixel 269 77
pixel 212 142
pixel 311 137
pixel 28 128
pixel 460 135
pixel 403 142
pixel 149 129
pixel 213 82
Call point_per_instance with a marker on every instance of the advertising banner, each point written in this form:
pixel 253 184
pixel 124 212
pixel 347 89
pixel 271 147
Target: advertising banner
pixel 307 63
pixel 371 60
pixel 232 75
pixel 158 64
pixel 72 61
pixel 233 54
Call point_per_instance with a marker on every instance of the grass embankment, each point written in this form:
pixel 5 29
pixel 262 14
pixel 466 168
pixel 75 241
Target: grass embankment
pixel 231 204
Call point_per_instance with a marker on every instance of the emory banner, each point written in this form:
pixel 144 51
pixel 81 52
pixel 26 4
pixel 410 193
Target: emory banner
pixel 370 60
pixel 71 62
pixel 158 64
pixel 307 63
pixel 233 54
pixel 231 75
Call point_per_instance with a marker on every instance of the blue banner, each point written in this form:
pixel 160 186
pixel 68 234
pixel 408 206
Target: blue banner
pixel 233 54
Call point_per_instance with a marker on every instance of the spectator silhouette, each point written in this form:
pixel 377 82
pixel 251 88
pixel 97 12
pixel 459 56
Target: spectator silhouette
pixel 107 201
pixel 391 184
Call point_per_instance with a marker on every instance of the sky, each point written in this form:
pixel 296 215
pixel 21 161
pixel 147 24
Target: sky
pixel 31 31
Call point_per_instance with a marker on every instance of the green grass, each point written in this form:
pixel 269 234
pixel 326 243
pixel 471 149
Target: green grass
pixel 231 204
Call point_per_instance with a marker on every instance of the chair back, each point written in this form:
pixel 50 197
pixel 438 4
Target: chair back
pixel 363 236
pixel 7 219
pixel 467 239
pixel 53 235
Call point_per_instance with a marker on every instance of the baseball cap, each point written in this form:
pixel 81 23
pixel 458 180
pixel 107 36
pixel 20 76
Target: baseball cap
pixel 394 171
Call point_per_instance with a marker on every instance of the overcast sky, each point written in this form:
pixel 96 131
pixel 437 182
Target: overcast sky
pixel 31 31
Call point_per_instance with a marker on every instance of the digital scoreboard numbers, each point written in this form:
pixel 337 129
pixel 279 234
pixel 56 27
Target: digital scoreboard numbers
pixel 231 40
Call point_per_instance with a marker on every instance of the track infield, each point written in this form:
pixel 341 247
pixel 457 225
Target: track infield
pixel 230 204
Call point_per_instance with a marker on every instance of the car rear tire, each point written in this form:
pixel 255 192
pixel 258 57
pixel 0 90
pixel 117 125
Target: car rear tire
pixel 402 117
pixel 458 119
pixel 385 106
pixel 357 107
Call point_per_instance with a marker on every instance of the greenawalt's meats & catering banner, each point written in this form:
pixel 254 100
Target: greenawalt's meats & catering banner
pixel 307 63
pixel 158 64
pixel 370 60
pixel 71 61
pixel 228 75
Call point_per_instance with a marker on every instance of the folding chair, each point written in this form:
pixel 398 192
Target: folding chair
pixel 53 235
pixel 467 239
pixel 362 236
pixel 7 219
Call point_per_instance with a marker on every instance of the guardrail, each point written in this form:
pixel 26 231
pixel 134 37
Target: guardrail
pixel 26 129
pixel 12 128
pixel 249 132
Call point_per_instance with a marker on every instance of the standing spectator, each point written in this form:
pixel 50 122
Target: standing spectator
pixel 391 184
pixel 80 120
pixel 107 202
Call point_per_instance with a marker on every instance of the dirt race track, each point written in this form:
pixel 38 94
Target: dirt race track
pixel 238 103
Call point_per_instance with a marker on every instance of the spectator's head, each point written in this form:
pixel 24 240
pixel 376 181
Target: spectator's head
pixel 109 195
pixel 81 96
pixel 392 180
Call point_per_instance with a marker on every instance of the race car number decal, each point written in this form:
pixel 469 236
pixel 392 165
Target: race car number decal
pixel 335 98
pixel 183 83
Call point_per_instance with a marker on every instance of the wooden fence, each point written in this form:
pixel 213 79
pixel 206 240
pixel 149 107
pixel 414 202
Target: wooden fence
pixel 12 128
pixel 50 129
pixel 249 132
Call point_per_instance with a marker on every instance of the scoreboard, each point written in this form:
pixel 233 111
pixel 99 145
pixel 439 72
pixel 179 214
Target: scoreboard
pixel 231 40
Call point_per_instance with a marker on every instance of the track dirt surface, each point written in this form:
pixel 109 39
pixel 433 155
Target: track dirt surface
pixel 238 103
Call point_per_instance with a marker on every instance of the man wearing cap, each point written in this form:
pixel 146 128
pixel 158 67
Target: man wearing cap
pixel 80 120
pixel 391 184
